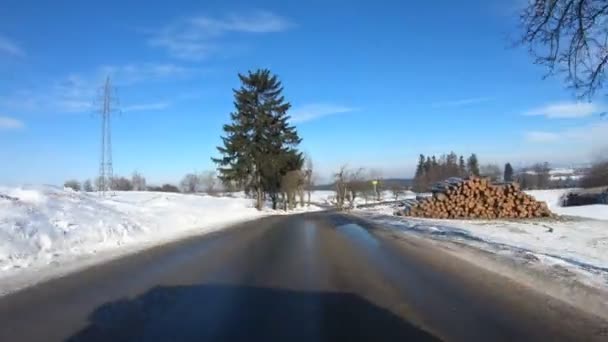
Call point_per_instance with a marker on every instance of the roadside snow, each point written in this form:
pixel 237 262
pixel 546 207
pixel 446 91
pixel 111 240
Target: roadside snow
pixel 579 245
pixel 42 228
pixel 552 197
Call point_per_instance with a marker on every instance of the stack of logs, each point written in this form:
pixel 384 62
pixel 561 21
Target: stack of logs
pixel 475 198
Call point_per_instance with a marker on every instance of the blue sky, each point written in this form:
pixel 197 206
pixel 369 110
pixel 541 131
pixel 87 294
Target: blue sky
pixel 372 84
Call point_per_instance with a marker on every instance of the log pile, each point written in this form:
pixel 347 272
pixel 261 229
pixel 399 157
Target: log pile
pixel 475 198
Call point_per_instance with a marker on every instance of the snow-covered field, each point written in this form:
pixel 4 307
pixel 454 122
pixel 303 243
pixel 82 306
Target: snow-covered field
pixel 552 197
pixel 44 228
pixel 578 244
pixel 327 197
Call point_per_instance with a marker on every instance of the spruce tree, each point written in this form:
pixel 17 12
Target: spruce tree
pixel 420 173
pixel 259 146
pixel 452 165
pixel 473 165
pixel 508 175
pixel 462 168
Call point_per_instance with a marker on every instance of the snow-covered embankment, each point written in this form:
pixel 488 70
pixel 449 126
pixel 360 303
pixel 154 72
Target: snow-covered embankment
pixel 46 230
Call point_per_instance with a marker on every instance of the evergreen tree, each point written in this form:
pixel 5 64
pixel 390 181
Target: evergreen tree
pixel 259 146
pixel 462 168
pixel 419 177
pixel 508 175
pixel 87 186
pixel 473 165
pixel 428 164
pixel 452 165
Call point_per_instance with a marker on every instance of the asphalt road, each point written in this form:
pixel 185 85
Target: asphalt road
pixel 311 277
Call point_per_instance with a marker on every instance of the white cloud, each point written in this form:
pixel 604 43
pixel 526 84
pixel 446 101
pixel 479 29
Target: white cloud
pixel 197 37
pixel 563 110
pixel 461 102
pixel 316 111
pixel 7 123
pixel 9 47
pixel 145 107
pixel 541 137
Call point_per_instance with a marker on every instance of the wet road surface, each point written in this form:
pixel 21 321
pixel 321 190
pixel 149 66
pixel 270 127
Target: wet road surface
pixel 310 277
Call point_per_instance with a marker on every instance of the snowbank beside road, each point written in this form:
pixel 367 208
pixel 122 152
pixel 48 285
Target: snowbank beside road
pixel 45 227
pixel 577 245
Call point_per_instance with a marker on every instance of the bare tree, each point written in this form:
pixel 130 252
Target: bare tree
pixel 535 177
pixel 100 184
pixel 397 191
pixel 341 186
pixel 190 183
pixel 356 184
pixel 230 186
pixel 309 178
pixel 121 184
pixel 209 182
pixel 291 183
pixel 569 37
pixel 138 181
pixel 542 175
pixel 164 188
pixel 72 184
pixel 597 176
pixel 87 186
pixel 491 171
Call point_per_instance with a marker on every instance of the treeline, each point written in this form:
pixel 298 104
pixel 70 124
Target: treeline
pixel 597 176
pixel 137 182
pixel 536 177
pixel 191 183
pixel 350 184
pixel 432 169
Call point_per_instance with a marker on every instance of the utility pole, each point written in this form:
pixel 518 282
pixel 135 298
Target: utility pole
pixel 106 170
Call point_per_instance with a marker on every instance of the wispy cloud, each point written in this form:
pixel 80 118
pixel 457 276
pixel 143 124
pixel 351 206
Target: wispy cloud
pixel 135 73
pixel 564 110
pixel 9 47
pixel 197 37
pixel 592 134
pixel 316 111
pixel 7 123
pixel 146 107
pixel 461 102
pixel 78 92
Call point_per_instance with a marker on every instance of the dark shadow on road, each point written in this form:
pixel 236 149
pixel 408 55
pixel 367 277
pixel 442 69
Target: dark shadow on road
pixel 240 313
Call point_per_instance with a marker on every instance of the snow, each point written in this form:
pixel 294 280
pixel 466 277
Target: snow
pixel 43 227
pixel 562 171
pixel 327 197
pixel 566 178
pixel 577 244
pixel 552 197
pixel 577 240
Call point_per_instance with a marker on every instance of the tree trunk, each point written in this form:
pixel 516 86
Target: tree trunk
pixel 259 199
